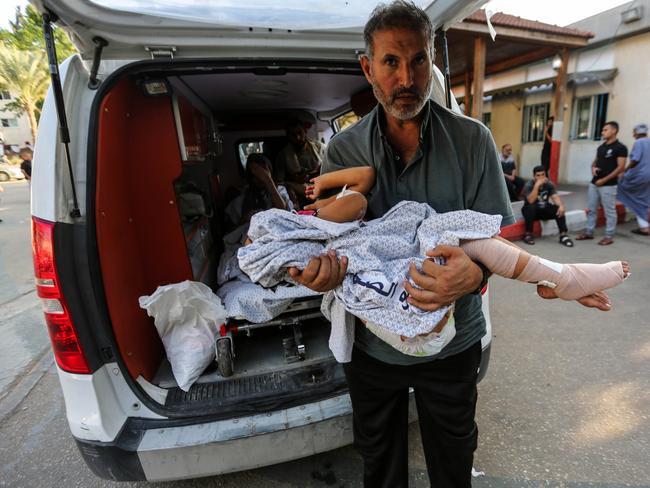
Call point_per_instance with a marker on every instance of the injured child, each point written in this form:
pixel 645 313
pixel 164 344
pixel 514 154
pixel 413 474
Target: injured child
pixel 382 252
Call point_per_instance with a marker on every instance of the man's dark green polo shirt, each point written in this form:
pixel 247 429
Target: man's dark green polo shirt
pixel 456 167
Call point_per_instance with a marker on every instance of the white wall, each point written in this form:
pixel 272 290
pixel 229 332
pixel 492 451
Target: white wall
pixel 578 157
pixel 15 135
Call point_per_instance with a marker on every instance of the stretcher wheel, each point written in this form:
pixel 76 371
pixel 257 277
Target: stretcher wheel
pixel 224 357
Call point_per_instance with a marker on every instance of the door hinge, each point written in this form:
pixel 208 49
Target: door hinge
pixel 157 52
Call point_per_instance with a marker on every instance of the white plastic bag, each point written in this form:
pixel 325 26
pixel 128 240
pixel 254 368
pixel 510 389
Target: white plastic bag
pixel 187 316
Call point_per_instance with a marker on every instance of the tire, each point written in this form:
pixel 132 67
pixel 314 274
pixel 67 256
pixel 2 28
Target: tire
pixel 224 358
pixel 4 176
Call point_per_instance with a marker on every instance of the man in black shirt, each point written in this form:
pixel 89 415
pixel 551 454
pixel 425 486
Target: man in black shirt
pixel 609 163
pixel 541 202
pixel 514 183
pixel 26 155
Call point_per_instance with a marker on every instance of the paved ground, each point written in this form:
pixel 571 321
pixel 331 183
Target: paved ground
pixel 566 401
pixel 21 326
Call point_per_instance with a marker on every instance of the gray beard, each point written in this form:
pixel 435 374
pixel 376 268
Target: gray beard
pixel 388 102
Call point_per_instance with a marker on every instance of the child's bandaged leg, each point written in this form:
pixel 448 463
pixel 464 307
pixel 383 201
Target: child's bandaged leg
pixel 571 281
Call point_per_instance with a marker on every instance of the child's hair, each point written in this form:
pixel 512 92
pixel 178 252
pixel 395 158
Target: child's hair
pixel 26 150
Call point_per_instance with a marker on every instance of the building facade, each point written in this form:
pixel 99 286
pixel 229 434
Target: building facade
pixel 14 130
pixel 608 79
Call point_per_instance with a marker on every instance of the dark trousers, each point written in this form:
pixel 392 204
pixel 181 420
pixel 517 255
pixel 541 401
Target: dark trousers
pixel 445 395
pixel 515 187
pixel 533 212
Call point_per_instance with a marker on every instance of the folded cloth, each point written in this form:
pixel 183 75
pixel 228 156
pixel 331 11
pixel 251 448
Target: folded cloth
pixel 379 253
pixel 246 300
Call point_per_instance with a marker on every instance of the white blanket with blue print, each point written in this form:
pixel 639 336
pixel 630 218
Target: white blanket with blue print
pixel 379 253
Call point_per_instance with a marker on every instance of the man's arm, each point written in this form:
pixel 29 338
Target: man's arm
pixel 325 272
pixel 594 169
pixel 534 193
pixel 636 154
pixel 620 167
pixel 555 198
pixel 438 285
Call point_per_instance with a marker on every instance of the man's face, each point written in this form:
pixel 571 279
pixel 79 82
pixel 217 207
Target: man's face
pixel 540 175
pixel 400 71
pixel 608 132
pixel 297 136
pixel 507 150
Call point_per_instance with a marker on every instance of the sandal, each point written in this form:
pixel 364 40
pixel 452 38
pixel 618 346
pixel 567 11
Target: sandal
pixel 641 232
pixel 565 240
pixel 605 241
pixel 528 239
pixel 584 236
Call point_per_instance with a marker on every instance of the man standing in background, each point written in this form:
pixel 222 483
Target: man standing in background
pixel 609 163
pixel 634 184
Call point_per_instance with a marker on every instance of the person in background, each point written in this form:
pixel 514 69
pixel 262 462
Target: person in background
pixel 634 183
pixel 609 163
pixel 541 202
pixel 299 160
pixel 546 148
pixel 26 155
pixel 260 193
pixel 514 183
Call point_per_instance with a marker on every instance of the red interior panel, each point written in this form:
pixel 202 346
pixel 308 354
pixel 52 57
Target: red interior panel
pixel 140 239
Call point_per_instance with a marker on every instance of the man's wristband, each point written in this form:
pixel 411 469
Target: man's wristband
pixel 486 274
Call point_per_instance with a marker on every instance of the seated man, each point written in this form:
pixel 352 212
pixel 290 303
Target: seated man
pixel 514 183
pixel 299 160
pixel 541 202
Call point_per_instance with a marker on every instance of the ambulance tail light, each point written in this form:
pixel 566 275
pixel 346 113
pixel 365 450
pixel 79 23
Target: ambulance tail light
pixel 63 335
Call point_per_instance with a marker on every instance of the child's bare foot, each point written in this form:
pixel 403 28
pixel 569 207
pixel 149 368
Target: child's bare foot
pixel 582 279
pixel 626 269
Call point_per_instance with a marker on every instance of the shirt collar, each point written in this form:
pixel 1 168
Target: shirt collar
pixel 381 120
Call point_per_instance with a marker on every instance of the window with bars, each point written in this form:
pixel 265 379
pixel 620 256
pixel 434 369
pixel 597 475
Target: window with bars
pixel 588 117
pixel 534 121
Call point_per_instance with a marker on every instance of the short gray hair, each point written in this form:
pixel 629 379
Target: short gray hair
pixel 400 14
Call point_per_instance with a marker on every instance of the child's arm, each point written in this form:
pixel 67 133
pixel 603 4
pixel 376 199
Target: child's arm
pixel 361 179
pixel 346 209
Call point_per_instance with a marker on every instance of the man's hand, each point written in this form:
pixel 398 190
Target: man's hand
pixel 438 286
pixel 560 210
pixel 599 300
pixel 600 182
pixel 594 171
pixel 540 181
pixel 322 273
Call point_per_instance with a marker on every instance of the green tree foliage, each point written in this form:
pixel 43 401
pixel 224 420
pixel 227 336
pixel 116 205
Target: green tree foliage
pixel 23 63
pixel 25 75
pixel 26 34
